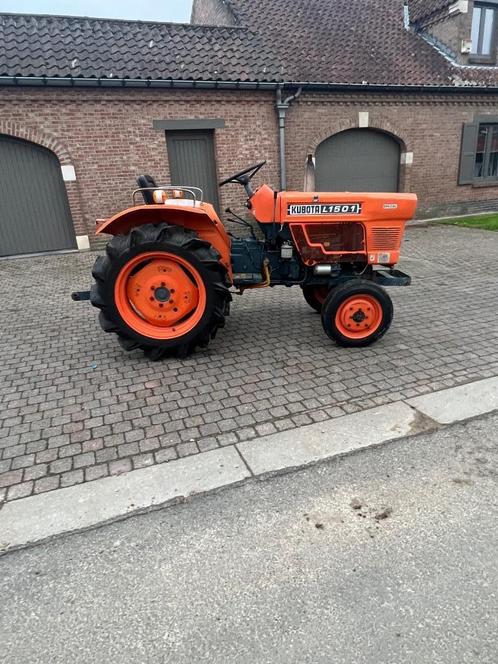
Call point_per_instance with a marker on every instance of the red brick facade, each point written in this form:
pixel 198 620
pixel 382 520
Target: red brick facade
pixel 108 136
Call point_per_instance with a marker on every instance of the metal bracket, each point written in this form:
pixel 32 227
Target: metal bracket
pixel 391 278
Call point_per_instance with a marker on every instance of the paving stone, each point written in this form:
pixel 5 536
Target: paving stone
pixel 13 451
pixel 108 454
pixel 70 450
pixel 227 439
pixel 72 477
pixel 266 429
pixel 207 444
pixel 46 456
pixel 168 454
pixel 20 490
pixel 46 484
pixel 185 449
pixel 10 478
pixel 60 466
pixel 96 472
pixel 82 460
pixel 128 449
pixel 120 466
pixel 143 460
pixel 23 461
pixel 35 472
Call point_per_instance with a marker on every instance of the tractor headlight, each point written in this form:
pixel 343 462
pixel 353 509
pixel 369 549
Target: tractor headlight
pixel 159 196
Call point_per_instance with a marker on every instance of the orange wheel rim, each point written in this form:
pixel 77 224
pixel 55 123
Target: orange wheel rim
pixel 359 316
pixel 160 295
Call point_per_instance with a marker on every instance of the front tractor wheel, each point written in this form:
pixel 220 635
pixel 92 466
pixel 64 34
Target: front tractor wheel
pixel 357 313
pixel 161 289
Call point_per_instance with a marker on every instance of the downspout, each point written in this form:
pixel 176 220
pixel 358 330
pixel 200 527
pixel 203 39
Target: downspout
pixel 282 106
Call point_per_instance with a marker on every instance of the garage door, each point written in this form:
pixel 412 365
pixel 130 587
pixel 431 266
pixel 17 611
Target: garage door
pixel 192 161
pixel 34 210
pixel 358 160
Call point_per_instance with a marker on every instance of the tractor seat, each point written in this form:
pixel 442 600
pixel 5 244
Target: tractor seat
pixel 144 182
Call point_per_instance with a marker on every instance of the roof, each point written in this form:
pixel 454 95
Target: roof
pixel 337 42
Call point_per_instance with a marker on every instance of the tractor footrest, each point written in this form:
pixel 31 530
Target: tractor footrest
pixel 391 278
pixel 80 296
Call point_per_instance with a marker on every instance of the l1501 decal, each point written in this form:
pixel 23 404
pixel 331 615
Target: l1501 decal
pixel 318 209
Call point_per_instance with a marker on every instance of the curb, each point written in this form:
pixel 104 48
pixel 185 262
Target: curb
pixel 38 518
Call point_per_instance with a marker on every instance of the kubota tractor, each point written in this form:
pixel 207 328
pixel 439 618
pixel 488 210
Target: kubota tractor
pixel 164 282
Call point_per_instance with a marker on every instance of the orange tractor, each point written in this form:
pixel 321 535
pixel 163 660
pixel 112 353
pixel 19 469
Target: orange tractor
pixel 164 283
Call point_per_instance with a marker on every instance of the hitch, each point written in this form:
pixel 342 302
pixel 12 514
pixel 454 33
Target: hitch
pixel 80 296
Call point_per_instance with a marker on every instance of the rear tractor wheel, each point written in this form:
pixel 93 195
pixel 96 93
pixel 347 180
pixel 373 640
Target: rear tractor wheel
pixel 315 296
pixel 161 289
pixel 357 313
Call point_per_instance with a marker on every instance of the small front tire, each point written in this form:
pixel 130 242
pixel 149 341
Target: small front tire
pixel 357 314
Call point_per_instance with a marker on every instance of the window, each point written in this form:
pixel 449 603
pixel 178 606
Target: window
pixel 483 31
pixel 479 154
pixel 486 162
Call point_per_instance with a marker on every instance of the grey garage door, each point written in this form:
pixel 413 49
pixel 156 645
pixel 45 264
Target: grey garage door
pixel 358 160
pixel 34 210
pixel 192 161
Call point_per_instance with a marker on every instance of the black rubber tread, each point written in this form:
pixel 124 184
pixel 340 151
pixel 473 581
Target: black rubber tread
pixel 174 239
pixel 311 299
pixel 338 295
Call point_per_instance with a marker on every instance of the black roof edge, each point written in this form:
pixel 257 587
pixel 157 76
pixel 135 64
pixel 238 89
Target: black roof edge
pixel 80 82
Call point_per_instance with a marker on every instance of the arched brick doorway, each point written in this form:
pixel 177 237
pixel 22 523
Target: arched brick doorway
pixel 358 160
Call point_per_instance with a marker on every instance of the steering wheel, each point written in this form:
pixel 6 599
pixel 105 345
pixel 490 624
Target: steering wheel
pixel 245 176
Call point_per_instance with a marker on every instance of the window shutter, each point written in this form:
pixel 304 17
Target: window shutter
pixel 468 153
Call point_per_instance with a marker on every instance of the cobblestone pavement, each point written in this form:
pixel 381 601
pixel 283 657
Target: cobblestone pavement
pixel 74 407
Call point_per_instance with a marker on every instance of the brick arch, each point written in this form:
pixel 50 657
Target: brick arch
pixel 376 124
pixel 34 135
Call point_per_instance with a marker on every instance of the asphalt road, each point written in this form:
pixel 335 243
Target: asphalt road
pixel 387 556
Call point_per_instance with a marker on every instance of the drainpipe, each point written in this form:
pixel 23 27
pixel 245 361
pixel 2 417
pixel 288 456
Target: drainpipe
pixel 282 106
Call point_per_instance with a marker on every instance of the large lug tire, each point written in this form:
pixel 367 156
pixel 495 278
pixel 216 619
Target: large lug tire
pixel 315 296
pixel 161 289
pixel 357 313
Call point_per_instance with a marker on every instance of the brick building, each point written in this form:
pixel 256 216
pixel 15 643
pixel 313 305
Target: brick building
pixel 347 94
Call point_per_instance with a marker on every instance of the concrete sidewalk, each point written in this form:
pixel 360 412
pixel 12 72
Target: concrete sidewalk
pixel 386 556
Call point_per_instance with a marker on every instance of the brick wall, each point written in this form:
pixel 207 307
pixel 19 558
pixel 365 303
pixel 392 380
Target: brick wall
pixel 108 136
pixel 450 30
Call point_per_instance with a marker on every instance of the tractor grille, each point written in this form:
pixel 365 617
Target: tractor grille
pixel 337 237
pixel 384 239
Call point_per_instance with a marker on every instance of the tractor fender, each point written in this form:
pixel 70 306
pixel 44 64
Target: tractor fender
pixel 202 219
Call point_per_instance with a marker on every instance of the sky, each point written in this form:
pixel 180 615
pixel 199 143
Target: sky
pixel 157 10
